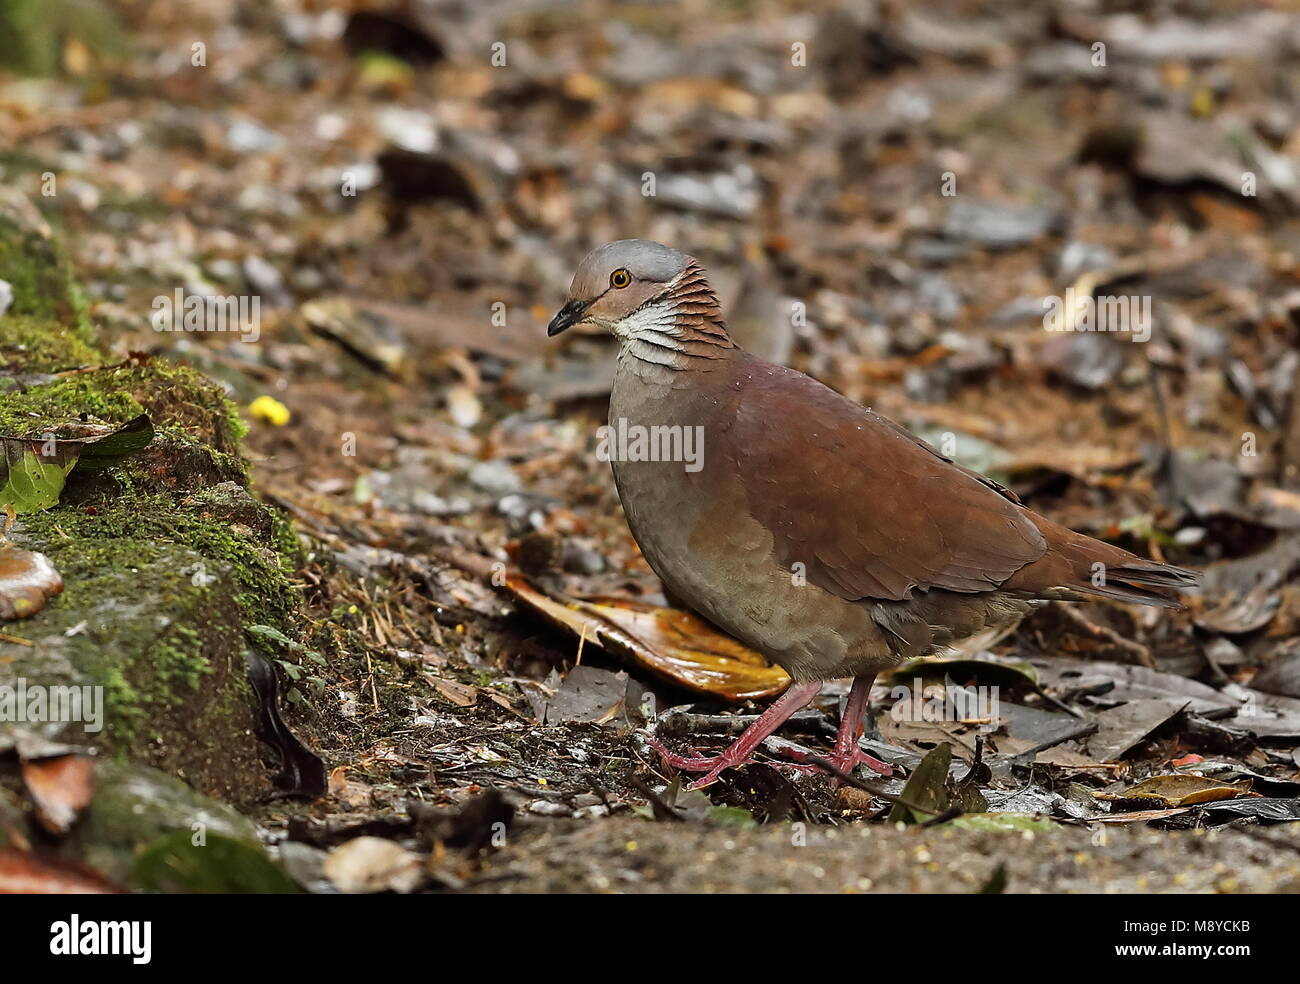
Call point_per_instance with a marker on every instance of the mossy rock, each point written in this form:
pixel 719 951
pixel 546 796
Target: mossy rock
pixel 49 314
pixel 165 556
pixel 158 627
pixel 136 807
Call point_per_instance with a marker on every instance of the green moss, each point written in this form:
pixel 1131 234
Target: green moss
pixel 81 397
pixel 183 403
pixel 42 280
pixel 147 631
pixel 263 589
pixel 36 345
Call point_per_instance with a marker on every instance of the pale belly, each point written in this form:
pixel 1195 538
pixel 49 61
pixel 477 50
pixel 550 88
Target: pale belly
pixel 695 531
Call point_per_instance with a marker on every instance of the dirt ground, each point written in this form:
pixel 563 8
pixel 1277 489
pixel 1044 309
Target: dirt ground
pixel 633 856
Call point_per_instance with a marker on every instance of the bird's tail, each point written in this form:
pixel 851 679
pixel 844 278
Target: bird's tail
pixel 1076 565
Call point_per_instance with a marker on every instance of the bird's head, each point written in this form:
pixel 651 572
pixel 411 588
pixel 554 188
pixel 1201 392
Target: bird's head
pixel 620 284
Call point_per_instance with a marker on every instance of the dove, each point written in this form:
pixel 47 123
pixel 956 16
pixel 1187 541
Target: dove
pixel 819 533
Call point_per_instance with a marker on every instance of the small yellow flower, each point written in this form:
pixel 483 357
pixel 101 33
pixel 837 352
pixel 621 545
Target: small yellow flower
pixel 270 409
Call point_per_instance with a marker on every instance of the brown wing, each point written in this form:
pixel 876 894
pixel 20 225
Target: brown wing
pixel 868 509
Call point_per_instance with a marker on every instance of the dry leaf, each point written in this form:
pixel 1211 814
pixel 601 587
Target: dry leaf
pixel 373 864
pixel 674 644
pixel 1181 790
pixel 27 580
pixel 60 787
pixel 460 694
pixel 26 874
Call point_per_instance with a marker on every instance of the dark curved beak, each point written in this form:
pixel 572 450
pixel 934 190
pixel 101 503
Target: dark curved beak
pixel 568 316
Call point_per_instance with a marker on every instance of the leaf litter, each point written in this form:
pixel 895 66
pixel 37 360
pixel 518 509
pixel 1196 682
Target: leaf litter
pixel 441 653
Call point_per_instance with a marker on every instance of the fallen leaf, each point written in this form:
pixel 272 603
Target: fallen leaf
pixel 1120 728
pixel 60 787
pixel 674 644
pixel 27 580
pixel 1180 790
pixel 1242 614
pixel 372 864
pixel 27 874
pixel 1141 816
pixel 588 694
pixel 33 469
pixel 460 694
pixel 926 792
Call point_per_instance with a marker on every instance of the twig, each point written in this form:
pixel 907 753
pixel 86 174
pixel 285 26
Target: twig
pixel 582 641
pixel 1168 463
pixel 1139 652
pixel 1056 702
pixel 662 810
pixel 374 694
pixel 680 723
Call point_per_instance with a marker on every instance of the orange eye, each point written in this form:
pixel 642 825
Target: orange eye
pixel 620 278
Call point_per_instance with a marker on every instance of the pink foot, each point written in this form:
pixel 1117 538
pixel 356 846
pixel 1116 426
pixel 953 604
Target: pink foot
pixel 846 760
pixel 856 757
pixel 713 765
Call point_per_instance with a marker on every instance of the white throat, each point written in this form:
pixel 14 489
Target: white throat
pixel 651 335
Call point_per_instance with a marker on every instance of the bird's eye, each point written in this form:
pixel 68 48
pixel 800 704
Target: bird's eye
pixel 620 278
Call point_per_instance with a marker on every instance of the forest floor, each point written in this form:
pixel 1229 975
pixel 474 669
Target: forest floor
pixel 888 217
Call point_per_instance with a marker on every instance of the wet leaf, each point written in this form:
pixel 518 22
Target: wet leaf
pixel 676 645
pixel 61 787
pixel 1181 790
pixel 27 580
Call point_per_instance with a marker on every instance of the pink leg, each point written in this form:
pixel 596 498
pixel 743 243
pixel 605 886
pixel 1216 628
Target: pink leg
pixel 847 753
pixel 795 697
